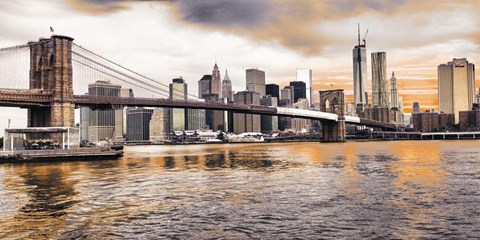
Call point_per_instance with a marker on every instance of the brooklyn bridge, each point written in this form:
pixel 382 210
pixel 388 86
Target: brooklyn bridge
pixel 60 71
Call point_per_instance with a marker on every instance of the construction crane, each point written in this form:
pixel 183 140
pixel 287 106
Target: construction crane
pixel 365 38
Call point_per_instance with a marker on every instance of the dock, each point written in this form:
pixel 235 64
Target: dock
pixel 59 154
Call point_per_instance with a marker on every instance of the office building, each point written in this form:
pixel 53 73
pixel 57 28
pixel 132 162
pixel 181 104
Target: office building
pixel 159 125
pixel 305 75
pixel 204 85
pixel 429 121
pixel 478 97
pixel 301 124
pixel 299 90
pixel 138 124
pixel 102 124
pixel 380 93
pixel 470 120
pixel 416 107
pixel 178 91
pixel 269 124
pixel 272 90
pixel 256 81
pixel 246 122
pixel 360 94
pixel 215 119
pixel 216 81
pixel 227 88
pixel 394 99
pixel 456 86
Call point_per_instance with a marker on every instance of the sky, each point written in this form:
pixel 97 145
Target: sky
pixel 168 39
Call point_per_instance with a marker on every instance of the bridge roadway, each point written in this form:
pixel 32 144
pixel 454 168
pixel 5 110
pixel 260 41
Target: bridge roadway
pixel 27 98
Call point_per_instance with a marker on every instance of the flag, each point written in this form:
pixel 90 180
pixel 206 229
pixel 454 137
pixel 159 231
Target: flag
pixel 51 29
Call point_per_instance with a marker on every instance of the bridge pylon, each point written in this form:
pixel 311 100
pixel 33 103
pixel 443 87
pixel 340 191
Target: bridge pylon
pixel 333 101
pixel 51 71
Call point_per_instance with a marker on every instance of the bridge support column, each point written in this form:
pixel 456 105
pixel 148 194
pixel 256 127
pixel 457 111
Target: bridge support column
pixel 51 70
pixel 333 101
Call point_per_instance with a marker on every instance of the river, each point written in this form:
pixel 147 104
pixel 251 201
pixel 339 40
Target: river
pixel 353 190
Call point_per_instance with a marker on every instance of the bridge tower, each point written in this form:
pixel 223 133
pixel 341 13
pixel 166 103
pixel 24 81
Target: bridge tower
pixel 51 71
pixel 332 101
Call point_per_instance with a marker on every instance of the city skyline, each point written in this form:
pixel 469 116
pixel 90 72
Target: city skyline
pixel 237 47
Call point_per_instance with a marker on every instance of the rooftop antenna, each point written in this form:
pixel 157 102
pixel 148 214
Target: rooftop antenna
pixel 358 34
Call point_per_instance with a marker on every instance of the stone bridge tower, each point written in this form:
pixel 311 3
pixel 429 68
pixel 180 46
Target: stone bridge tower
pixel 332 101
pixel 51 71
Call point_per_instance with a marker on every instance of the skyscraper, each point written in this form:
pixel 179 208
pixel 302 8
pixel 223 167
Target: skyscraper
pixel 178 91
pixel 269 123
pixel 380 92
pixel 216 81
pixel 205 86
pixel 394 99
pixel 159 125
pixel 456 86
pixel 272 90
pixel 256 81
pixel 286 96
pixel 305 75
pixel 416 107
pixel 299 90
pixel 478 96
pixel 360 74
pixel 138 124
pixel 227 87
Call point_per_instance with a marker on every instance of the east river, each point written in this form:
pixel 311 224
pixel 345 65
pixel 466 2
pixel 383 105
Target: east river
pixel 354 190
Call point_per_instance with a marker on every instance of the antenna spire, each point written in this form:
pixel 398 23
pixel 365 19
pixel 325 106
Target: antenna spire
pixel 358 34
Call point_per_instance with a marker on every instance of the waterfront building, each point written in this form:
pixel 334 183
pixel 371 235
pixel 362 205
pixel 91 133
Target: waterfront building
pixel 178 91
pixel 456 86
pixel 360 94
pixel 305 75
pixel 272 90
pixel 216 81
pixel 301 124
pixel 227 88
pixel 416 107
pixel 269 123
pixel 159 125
pixel 138 124
pixel 256 81
pixel 286 94
pixel 429 121
pixel 299 90
pixel 246 122
pixel 470 120
pixel 380 93
pixel 102 124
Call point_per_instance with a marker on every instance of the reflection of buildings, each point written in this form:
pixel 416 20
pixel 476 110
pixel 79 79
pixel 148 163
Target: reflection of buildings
pixel 246 122
pixel 138 124
pixel 102 124
pixel 379 81
pixel 456 86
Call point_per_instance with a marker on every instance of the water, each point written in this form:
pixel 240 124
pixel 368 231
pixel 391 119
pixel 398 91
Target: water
pixel 408 189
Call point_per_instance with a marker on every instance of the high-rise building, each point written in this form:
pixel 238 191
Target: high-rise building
pixel 272 90
pixel 478 96
pixel 416 107
pixel 216 81
pixel 138 124
pixel 102 124
pixel 380 93
pixel 246 122
pixel 286 96
pixel 214 118
pixel 269 123
pixel 178 91
pixel 301 124
pixel 159 125
pixel 394 98
pixel 196 119
pixel 456 86
pixel 299 90
pixel 360 74
pixel 227 87
pixel 205 85
pixel 256 81
pixel 305 75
